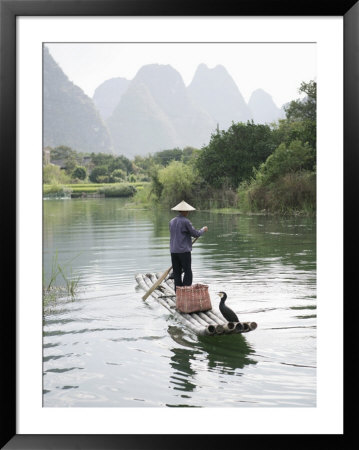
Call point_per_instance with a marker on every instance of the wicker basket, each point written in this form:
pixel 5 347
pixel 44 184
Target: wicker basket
pixel 193 298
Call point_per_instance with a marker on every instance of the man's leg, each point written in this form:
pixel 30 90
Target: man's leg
pixel 186 261
pixel 177 269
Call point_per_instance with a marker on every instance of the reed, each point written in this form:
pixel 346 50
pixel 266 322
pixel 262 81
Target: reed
pixel 71 283
pixel 52 290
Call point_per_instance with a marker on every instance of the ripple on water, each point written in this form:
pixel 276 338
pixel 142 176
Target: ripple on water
pixel 110 348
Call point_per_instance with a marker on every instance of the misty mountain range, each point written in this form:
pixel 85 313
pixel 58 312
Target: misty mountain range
pixel 154 111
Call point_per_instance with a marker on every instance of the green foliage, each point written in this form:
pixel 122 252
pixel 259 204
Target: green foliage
pixel 70 165
pixel 304 113
pixel 121 163
pixel 294 158
pixel 189 155
pixel 291 193
pixel 143 163
pixel 117 175
pixel 56 191
pixel 62 152
pixel 118 190
pixel 51 289
pixel 142 197
pixel 101 159
pixel 304 109
pixel 286 132
pixel 79 173
pixel 97 173
pixel 86 189
pixel 164 157
pixel 231 155
pixel 112 162
pixel 54 175
pixel 286 181
pixel 156 185
pixel 177 180
pixel 67 155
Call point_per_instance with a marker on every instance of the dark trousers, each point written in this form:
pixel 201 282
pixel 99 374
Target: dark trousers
pixel 182 261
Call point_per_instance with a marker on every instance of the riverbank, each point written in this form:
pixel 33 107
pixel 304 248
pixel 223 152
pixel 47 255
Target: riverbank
pixel 139 195
pixel 91 190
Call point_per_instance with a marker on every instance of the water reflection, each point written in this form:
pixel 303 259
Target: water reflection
pixel 248 244
pixel 222 354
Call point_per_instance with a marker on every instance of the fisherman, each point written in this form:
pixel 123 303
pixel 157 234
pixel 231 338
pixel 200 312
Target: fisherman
pixel 181 231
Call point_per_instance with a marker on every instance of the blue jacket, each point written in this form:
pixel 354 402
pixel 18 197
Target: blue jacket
pixel 181 231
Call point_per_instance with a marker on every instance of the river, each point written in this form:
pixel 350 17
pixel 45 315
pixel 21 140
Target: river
pixel 107 347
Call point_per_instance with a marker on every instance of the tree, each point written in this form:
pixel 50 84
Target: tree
pixel 143 162
pixel 164 157
pixel 156 185
pixel 62 152
pixel 231 155
pixel 304 109
pixel 189 154
pixel 68 156
pixel 101 159
pixel 284 160
pixel 79 173
pixel 70 164
pixel 304 112
pixel 117 175
pixel 54 175
pixel 122 163
pixel 99 174
pixel 177 180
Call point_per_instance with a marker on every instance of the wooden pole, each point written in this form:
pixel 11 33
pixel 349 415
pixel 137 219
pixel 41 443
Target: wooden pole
pixel 200 316
pixel 162 277
pixel 213 317
pixel 201 323
pixel 189 321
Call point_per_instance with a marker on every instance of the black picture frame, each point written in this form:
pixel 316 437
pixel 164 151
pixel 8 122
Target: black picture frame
pixel 9 10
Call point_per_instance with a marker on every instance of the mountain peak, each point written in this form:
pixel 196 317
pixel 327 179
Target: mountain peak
pixel 263 107
pixel 216 92
pixel 70 116
pixel 107 96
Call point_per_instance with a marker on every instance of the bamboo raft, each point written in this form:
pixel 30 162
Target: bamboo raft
pixel 208 323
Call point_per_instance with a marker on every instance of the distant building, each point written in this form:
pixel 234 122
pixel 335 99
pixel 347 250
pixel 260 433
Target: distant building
pixel 46 156
pixel 86 161
pixel 59 162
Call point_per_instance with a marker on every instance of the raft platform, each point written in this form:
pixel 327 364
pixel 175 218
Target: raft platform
pixel 206 323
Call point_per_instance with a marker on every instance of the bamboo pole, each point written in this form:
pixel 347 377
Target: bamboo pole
pixel 202 323
pixel 211 313
pixel 201 317
pixel 140 281
pixel 161 278
pixel 192 317
pixel 187 320
pixel 208 316
pixel 158 282
pixel 197 330
pixel 215 318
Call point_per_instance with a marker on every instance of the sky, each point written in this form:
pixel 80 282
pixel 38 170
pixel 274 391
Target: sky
pixel 277 68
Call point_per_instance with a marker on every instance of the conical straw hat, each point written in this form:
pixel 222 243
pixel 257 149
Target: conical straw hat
pixel 183 206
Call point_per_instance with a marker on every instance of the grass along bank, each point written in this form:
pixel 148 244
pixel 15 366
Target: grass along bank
pixel 79 190
pixel 61 282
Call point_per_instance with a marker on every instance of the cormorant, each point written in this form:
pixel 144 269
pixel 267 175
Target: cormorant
pixel 227 313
